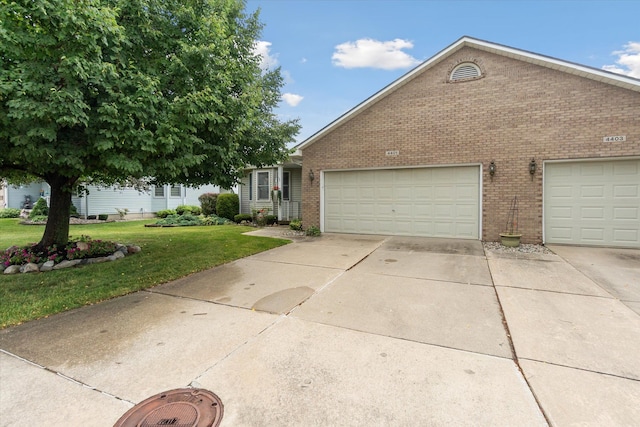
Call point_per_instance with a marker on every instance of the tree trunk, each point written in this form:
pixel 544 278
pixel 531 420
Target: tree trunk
pixel 57 228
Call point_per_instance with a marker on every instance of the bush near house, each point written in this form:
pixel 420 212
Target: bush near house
pixel 10 213
pixel 271 219
pixel 208 203
pixel 228 205
pixel 188 209
pixel 295 224
pixel 165 213
pixel 243 217
pixel 40 209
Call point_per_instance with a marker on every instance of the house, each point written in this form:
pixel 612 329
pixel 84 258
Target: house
pixel 443 151
pixel 276 190
pixel 106 200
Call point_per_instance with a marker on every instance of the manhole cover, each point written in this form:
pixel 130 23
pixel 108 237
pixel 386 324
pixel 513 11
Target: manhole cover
pixel 183 407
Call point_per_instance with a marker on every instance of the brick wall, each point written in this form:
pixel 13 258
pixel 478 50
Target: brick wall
pixel 516 112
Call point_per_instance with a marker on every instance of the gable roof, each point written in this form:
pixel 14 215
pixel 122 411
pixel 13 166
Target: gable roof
pixel 522 55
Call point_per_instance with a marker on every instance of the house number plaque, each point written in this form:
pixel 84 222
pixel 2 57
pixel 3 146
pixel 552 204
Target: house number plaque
pixel 392 153
pixel 619 138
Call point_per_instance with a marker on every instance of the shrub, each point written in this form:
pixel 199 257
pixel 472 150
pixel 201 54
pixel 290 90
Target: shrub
pixel 271 219
pixel 165 213
pixel 73 211
pixel 296 225
pixel 243 217
pixel 10 213
pixel 208 203
pixel 103 217
pixel 38 218
pixel 180 220
pixel 227 205
pixel 39 209
pixel 188 209
pixel 215 220
pixel 313 231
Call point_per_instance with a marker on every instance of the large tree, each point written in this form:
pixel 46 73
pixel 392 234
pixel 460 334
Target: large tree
pixel 107 90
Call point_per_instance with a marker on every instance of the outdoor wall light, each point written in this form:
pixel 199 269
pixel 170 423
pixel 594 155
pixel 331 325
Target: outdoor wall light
pixel 492 168
pixel 532 168
pixel 311 175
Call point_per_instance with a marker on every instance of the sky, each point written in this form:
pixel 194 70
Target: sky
pixel 334 54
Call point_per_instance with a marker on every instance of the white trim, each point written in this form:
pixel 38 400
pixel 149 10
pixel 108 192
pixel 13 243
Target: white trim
pixel 522 55
pixel 575 160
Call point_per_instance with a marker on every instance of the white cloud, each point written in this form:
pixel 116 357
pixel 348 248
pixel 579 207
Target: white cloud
pixel 292 99
pixel 371 53
pixel 263 49
pixel 628 61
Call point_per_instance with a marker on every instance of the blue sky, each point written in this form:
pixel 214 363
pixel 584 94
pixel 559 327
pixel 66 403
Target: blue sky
pixel 336 53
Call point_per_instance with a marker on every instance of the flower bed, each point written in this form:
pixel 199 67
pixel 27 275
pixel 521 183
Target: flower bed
pixel 80 251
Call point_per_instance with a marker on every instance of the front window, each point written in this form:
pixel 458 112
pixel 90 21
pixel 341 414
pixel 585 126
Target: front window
pixel 263 185
pixel 250 186
pixel 175 191
pixel 285 185
pixel 158 191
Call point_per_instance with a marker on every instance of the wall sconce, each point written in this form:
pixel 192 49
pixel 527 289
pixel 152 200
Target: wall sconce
pixel 492 168
pixel 532 168
pixel 311 175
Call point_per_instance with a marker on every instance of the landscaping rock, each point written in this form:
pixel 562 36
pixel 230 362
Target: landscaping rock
pixel 29 268
pixel 133 249
pixel 47 266
pixel 118 254
pixel 67 264
pixel 111 258
pixel 12 269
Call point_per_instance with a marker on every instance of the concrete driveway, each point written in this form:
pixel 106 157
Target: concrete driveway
pixel 347 330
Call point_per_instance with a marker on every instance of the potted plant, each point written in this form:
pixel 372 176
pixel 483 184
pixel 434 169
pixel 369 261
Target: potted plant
pixel 511 237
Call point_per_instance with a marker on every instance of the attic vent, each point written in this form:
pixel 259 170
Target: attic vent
pixel 465 71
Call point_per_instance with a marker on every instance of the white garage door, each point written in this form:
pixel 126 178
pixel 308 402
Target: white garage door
pixel 432 202
pixel 593 203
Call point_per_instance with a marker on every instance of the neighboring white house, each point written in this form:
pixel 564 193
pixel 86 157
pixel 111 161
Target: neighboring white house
pixel 106 200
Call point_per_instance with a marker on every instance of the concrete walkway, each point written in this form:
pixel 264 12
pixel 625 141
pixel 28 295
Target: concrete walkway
pixel 349 330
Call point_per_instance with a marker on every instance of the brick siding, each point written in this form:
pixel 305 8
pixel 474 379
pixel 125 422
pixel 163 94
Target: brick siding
pixel 517 111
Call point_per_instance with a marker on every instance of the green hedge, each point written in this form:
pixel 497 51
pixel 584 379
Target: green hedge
pixel 243 217
pixel 39 209
pixel 228 205
pixel 10 213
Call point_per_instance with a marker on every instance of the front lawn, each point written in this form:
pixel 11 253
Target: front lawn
pixel 167 254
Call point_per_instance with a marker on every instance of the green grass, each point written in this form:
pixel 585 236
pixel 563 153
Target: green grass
pixel 167 254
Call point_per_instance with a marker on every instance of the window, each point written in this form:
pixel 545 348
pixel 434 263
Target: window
pixel 251 186
pixel 263 185
pixel 176 191
pixel 465 71
pixel 158 191
pixel 285 185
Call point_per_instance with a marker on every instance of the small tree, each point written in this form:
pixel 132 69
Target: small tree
pixel 39 209
pixel 228 205
pixel 208 202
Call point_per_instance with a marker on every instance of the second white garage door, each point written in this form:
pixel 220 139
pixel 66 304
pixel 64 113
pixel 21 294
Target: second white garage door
pixel 593 203
pixel 430 202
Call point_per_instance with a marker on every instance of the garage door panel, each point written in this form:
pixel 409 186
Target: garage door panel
pixel 592 191
pixel 626 213
pixel 593 203
pixel 422 202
